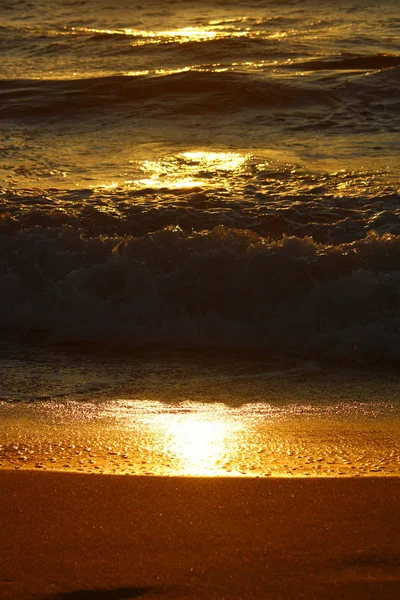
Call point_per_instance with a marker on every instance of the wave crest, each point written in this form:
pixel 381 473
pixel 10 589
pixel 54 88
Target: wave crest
pixel 221 289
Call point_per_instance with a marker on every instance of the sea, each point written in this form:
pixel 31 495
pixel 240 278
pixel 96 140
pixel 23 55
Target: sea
pixel 200 237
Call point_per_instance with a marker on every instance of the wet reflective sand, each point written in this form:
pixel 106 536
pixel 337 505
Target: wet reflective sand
pixel 197 414
pixel 200 439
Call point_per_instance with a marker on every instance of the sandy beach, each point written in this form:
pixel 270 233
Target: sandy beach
pixel 113 537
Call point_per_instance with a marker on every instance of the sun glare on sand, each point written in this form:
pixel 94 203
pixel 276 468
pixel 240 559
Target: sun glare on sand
pixel 198 444
pixel 185 439
pixel 194 441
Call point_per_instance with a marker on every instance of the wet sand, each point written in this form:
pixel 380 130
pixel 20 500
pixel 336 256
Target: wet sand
pixel 112 537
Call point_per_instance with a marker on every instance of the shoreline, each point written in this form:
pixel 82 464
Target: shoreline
pixel 72 535
pixel 317 476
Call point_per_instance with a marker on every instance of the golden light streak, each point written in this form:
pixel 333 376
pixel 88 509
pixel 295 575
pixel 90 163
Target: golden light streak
pixel 224 161
pixel 179 183
pixel 215 30
pixel 187 169
pixel 108 186
pixel 197 443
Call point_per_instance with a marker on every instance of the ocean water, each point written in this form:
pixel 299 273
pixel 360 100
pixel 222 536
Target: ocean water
pixel 202 174
pixel 218 178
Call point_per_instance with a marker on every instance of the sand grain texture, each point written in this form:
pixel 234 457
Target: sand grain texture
pixel 113 537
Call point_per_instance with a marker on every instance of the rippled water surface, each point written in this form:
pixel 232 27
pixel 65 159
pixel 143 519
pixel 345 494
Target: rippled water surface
pixel 189 187
pixel 92 91
pixel 201 174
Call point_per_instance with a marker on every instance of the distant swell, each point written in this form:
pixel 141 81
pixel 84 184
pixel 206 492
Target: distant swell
pixel 380 61
pixel 193 91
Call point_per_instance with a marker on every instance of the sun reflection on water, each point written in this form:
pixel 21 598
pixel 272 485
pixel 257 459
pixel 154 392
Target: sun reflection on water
pixel 186 439
pixel 214 30
pixel 189 169
pixel 179 35
pixel 202 439
pixel 199 444
pixel 222 161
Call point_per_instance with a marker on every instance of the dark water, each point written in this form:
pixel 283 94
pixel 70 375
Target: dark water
pixel 201 175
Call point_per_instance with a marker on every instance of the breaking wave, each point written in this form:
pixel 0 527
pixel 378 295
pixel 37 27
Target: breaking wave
pixel 249 255
pixel 224 288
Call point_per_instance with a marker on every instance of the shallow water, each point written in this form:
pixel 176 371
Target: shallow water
pixel 198 415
